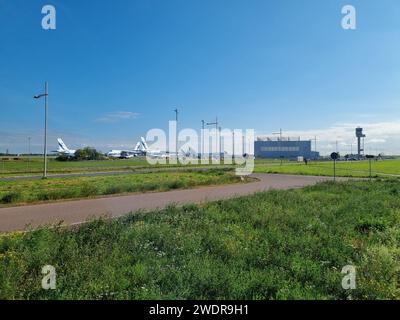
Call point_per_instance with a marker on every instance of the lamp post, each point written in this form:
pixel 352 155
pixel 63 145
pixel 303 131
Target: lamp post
pixel 29 153
pixel 315 148
pixel 176 136
pixel 233 145
pixel 216 131
pixel 280 143
pixel 220 141
pixel 45 94
pixel 202 138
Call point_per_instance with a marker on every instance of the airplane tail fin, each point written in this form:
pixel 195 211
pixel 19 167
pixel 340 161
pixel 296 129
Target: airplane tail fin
pixel 145 146
pixel 137 148
pixel 61 145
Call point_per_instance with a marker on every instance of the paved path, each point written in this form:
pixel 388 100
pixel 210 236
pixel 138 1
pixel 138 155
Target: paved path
pixel 78 211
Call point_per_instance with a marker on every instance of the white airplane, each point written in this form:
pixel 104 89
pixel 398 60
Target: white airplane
pixel 126 154
pixel 156 153
pixel 63 149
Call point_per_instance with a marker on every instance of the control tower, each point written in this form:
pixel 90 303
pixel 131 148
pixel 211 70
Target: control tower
pixel 360 135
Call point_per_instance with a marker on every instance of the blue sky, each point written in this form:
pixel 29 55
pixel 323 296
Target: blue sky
pixel 118 68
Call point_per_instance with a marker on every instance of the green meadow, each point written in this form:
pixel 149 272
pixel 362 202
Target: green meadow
pixel 385 168
pixel 29 191
pixel 34 165
pixel 289 244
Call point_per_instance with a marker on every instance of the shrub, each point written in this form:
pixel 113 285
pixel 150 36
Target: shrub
pixel 56 195
pixel 64 158
pixel 150 186
pixel 88 154
pixel 114 189
pixel 11 197
pixel 88 190
pixel 175 184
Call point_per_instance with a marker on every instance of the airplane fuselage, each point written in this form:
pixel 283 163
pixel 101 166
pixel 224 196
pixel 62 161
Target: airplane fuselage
pixel 125 154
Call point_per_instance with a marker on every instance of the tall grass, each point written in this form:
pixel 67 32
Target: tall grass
pixel 34 165
pixel 14 192
pixel 272 245
pixel 386 168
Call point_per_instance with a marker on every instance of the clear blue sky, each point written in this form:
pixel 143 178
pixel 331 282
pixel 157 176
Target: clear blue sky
pixel 118 68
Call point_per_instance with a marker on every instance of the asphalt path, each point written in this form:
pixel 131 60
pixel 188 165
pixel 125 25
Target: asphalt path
pixel 79 211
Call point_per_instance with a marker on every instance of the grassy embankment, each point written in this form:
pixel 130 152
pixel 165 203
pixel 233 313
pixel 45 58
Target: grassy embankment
pixel 343 168
pixel 34 166
pixel 274 245
pixel 15 192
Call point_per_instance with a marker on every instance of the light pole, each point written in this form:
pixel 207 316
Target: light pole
pixel 29 152
pixel 45 94
pixel 202 138
pixel 315 145
pixel 233 145
pixel 176 136
pixel 216 131
pixel 220 141
pixel 280 143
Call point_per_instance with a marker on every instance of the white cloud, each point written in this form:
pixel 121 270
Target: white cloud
pixel 114 117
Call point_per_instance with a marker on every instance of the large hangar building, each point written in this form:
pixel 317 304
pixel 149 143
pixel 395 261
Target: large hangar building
pixel 284 148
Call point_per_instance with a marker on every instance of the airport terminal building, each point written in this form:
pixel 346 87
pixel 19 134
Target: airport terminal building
pixel 285 148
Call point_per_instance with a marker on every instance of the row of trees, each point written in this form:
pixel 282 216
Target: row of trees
pixel 86 153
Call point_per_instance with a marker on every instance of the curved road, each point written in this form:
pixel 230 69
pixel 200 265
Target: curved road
pixel 78 211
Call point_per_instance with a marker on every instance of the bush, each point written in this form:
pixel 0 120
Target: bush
pixel 88 153
pixel 175 185
pixel 64 158
pixel 88 190
pixel 114 189
pixel 56 195
pixel 10 197
pixel 150 187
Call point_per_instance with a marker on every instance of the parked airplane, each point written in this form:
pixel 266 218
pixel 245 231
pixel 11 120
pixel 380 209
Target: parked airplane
pixel 63 149
pixel 126 154
pixel 155 153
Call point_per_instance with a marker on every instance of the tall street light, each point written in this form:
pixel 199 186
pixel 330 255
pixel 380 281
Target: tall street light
pixel 176 138
pixel 202 138
pixel 220 141
pixel 216 131
pixel 45 94
pixel 233 145
pixel 29 153
pixel 280 143
pixel 315 145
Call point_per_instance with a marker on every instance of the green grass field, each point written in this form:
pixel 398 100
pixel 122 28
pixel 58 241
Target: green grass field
pixel 274 245
pixel 34 165
pixel 20 166
pixel 28 191
pixel 325 168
